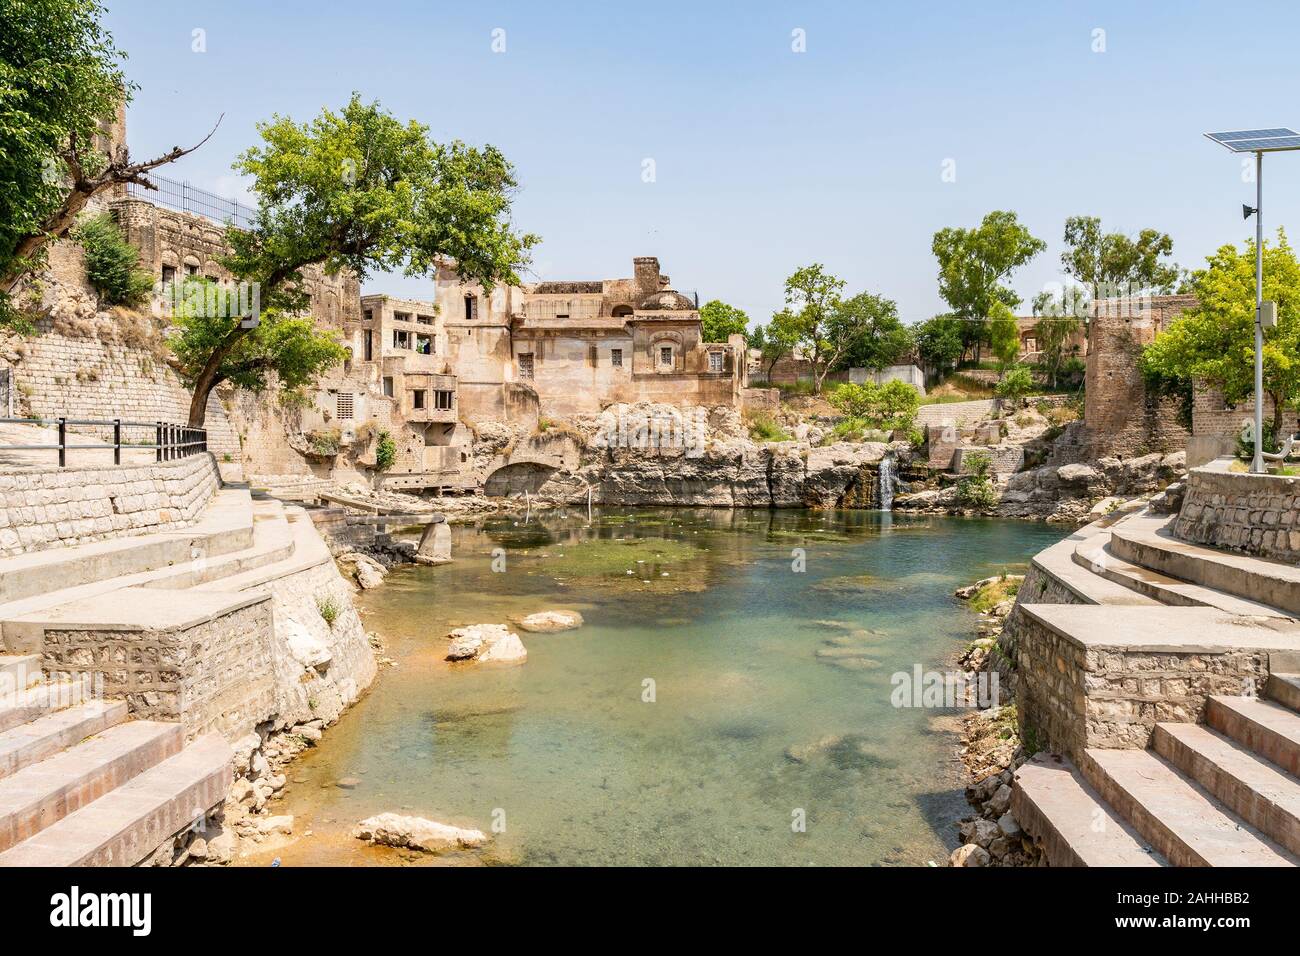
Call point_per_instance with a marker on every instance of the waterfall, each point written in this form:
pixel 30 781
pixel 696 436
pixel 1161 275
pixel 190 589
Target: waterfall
pixel 887 482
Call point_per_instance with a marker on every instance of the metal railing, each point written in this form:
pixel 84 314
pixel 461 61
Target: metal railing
pixel 181 196
pixel 171 441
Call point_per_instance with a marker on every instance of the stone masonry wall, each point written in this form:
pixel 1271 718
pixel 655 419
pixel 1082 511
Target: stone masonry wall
pixel 59 507
pixel 214 677
pixel 1071 696
pixel 1254 514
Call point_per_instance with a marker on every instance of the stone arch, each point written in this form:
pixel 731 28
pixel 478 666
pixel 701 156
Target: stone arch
pixel 516 478
pixel 622 311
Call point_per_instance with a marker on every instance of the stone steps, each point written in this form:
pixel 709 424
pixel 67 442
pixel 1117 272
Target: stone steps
pixel 127 824
pixel 1099 558
pixel 46 792
pixel 18 672
pixel 309 551
pixel 1269 729
pixel 1284 688
pixel 1145 540
pixel 272 542
pixel 41 699
pixel 31 742
pixel 1073 824
pixel 1251 787
pixel 225 526
pixel 1059 563
pixel 1181 820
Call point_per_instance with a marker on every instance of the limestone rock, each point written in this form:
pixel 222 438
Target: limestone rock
pixel 485 642
pixel 1000 802
pixel 390 829
pixel 969 855
pixel 1077 474
pixel 368 577
pixel 307 649
pixel 1009 826
pixel 280 824
pixel 547 621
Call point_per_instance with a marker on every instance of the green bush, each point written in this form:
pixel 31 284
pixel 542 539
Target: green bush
pixel 888 407
pixel 328 608
pixel 763 427
pixel 1016 382
pixel 1246 441
pixel 385 452
pixel 112 263
pixel 975 490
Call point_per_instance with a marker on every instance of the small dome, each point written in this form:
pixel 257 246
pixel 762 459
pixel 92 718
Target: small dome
pixel 666 300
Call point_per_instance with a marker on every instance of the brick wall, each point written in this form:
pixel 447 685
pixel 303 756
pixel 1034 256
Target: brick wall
pixel 58 507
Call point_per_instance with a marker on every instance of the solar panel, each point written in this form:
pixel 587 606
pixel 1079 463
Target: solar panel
pixel 1258 140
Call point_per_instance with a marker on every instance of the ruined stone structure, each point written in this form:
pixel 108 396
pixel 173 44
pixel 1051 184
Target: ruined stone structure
pixel 582 346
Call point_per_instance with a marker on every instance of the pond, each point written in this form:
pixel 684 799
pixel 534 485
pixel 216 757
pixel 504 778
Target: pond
pixel 728 700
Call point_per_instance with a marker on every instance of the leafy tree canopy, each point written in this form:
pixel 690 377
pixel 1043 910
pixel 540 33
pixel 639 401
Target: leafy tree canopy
pixel 720 321
pixel 939 343
pixel 1215 343
pixel 1004 333
pixel 974 265
pixel 880 339
pixel 1111 263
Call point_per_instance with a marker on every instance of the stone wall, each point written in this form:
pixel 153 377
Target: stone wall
pixel 1216 424
pixel 1253 514
pixel 1003 459
pixel 1071 696
pixel 215 676
pixel 59 507
pixel 1120 418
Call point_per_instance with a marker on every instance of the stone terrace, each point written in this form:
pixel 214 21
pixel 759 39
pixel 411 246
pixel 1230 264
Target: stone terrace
pixel 1161 678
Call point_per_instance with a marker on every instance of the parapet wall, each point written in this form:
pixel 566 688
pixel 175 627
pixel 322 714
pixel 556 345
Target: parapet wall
pixel 1253 514
pixel 58 507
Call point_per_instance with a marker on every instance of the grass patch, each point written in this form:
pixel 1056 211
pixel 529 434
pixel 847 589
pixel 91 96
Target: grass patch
pixel 763 427
pixel 994 593
pixel 329 609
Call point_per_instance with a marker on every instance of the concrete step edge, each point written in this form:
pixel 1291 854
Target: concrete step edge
pixel 1269 729
pixel 58 730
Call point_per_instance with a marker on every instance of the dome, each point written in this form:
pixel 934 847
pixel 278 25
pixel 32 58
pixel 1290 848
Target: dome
pixel 666 300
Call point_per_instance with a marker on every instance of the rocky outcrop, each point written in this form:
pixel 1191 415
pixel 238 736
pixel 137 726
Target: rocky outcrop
pixel 548 621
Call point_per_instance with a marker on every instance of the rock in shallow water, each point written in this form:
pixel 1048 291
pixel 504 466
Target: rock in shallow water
pixel 390 829
pixel 547 621
pixel 485 642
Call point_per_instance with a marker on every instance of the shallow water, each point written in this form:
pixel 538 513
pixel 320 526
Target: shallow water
pixel 771 691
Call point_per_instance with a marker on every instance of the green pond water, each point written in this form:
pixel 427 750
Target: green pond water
pixel 771 691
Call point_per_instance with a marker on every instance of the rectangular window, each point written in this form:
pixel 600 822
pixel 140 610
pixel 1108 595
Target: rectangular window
pixel 191 270
pixel 665 355
pixel 401 339
pixel 471 308
pixel 370 345
pixel 343 406
pixel 715 361
pixel 369 315
pixel 417 398
pixel 442 400
pixel 425 320
pixel 424 344
pixel 526 366
pixel 402 316
pixel 388 385
pixel 168 274
pixel 616 358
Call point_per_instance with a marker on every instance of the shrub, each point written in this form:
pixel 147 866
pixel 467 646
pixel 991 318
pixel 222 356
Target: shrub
pixel 975 490
pixel 329 609
pixel 763 427
pixel 889 407
pixel 112 263
pixel 1246 441
pixel 325 442
pixel 385 452
pixel 1015 383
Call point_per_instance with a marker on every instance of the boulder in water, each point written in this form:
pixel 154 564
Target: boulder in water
pixel 417 833
pixel 548 621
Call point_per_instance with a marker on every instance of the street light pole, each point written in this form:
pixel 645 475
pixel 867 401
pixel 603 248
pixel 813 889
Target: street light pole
pixel 1257 466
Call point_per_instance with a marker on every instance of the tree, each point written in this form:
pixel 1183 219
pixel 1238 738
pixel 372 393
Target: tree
pixel 286 345
pixel 719 321
pixel 814 296
pixel 1214 344
pixel 1113 264
pixel 362 191
pixel 974 264
pixel 1016 382
pixel 1004 334
pixel 775 340
pixel 1058 321
pixel 939 344
pixel 60 81
pixel 883 339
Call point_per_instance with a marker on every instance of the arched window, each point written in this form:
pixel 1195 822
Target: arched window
pixel 621 311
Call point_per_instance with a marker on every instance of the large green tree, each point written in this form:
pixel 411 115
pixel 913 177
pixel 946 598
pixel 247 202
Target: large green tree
pixel 1111 263
pixel 720 321
pixel 61 79
pixel 360 190
pixel 775 340
pixel 1004 334
pixel 1058 320
pixel 1215 342
pixel 813 295
pixel 939 344
pixel 974 265
pixel 882 339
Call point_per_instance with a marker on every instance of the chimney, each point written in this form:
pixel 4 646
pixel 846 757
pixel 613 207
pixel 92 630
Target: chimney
pixel 645 270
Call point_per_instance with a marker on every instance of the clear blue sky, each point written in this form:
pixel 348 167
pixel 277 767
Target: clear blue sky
pixel 766 159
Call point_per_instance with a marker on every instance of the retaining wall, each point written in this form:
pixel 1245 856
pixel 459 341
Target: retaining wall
pixel 1253 514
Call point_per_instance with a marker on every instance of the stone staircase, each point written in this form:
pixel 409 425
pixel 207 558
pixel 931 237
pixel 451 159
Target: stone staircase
pixel 127 666
pixel 1183 723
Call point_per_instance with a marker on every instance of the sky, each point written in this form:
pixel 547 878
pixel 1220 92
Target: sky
pixel 780 133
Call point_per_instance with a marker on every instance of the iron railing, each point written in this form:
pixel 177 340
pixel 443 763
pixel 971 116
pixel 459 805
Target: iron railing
pixel 171 441
pixel 183 197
